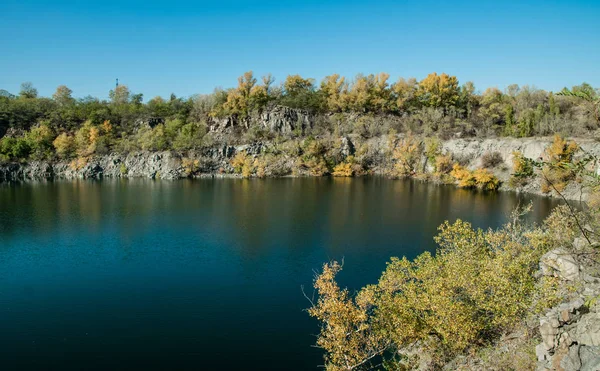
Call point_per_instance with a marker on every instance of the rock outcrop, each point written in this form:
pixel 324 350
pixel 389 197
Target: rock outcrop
pixel 163 165
pixel 570 331
pixel 285 120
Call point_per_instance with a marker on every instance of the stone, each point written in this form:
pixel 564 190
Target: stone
pixel 568 311
pixel 548 331
pixel 560 263
pixel 571 361
pixel 541 353
pixel 347 147
pixel 588 329
pixel 590 358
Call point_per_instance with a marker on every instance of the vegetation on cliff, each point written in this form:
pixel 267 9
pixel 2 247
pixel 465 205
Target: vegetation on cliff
pixel 369 105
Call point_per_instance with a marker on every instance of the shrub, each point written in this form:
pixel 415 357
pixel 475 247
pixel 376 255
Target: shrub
pixel 313 157
pixel 238 161
pixel 86 138
pixel 406 156
pixel 343 169
pixel 64 145
pixel 14 148
pixel 433 148
pixel 463 176
pixel 78 163
pixel 261 168
pixel 480 178
pixel 558 171
pixel 316 166
pixel 491 159
pixel 522 169
pixel 485 180
pixel 476 286
pixel 243 164
pixel 190 166
pixel 40 139
pixel 443 164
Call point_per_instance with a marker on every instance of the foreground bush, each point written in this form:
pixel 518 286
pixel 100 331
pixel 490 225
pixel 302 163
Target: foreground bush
pixel 476 286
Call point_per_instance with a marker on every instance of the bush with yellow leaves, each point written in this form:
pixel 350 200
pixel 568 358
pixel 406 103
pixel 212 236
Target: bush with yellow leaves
pixel 313 157
pixel 243 164
pixel 343 169
pixel 480 178
pixel 78 163
pixel 406 156
pixel 347 168
pixel 557 171
pixel 484 179
pixel 443 165
pixel 463 176
pixel 522 170
pixel 477 285
pixel 261 168
pixel 190 166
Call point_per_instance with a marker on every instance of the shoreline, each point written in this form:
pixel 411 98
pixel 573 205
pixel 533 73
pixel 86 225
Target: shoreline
pixel 216 162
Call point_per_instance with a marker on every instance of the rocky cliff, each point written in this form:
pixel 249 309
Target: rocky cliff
pixel 216 160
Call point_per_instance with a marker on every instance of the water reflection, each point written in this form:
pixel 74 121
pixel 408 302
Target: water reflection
pixel 159 274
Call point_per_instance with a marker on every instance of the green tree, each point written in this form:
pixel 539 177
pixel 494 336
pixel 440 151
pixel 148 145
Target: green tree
pixel 28 91
pixel 40 140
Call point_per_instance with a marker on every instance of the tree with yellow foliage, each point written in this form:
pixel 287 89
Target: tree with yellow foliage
pixel 370 93
pixel 63 96
pixel 438 90
pixel 299 92
pixel 335 90
pixel 64 145
pixel 247 97
pixel 404 93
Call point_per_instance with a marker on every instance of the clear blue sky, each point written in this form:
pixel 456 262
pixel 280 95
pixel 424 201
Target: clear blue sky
pixel 188 47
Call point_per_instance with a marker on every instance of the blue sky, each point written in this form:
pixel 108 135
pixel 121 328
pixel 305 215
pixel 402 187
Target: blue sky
pixel 190 47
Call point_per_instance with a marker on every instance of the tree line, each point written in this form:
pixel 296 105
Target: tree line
pixel 43 127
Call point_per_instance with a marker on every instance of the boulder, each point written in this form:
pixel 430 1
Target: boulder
pixel 560 263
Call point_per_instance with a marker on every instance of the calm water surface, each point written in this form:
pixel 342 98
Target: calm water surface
pixel 202 274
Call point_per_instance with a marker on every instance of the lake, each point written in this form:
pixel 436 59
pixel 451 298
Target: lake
pixel 202 274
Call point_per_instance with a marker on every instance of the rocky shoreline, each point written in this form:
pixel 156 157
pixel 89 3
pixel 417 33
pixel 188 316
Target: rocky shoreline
pixel 216 162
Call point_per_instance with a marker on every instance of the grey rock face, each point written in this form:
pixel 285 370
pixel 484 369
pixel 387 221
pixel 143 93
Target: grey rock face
pixel 222 124
pixel 347 147
pixel 285 120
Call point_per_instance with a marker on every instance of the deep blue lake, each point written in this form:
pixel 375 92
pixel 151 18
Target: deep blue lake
pixel 202 274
